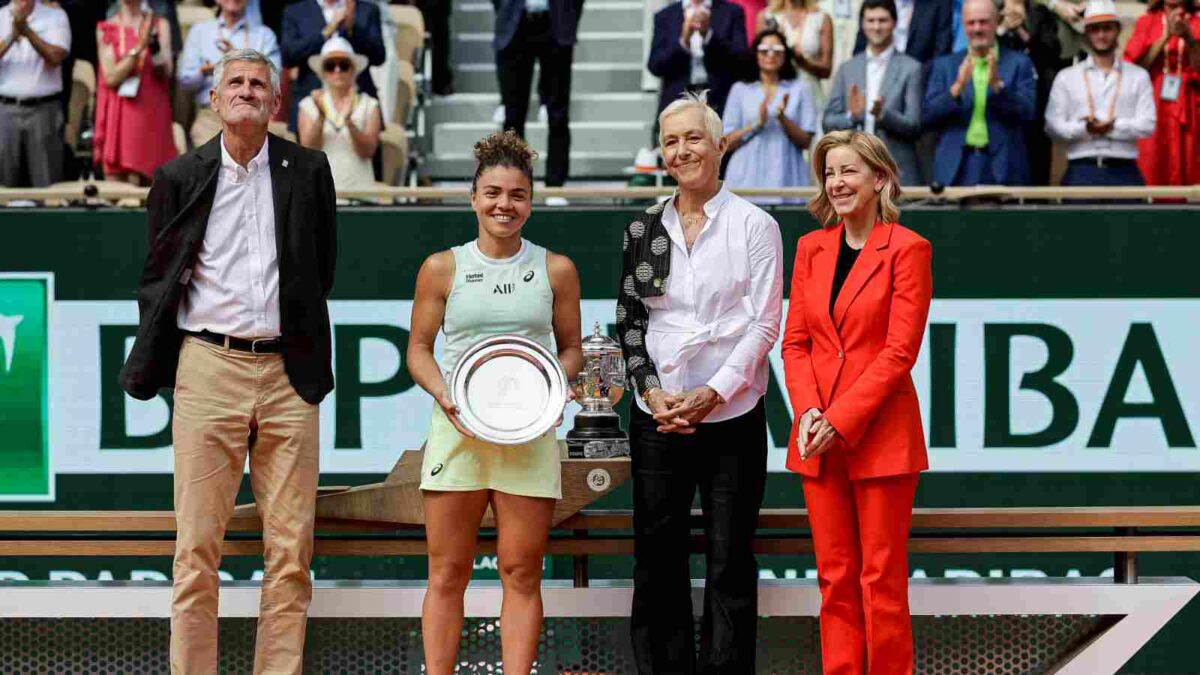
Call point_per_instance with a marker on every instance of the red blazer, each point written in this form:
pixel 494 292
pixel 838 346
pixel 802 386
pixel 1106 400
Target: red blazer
pixel 856 365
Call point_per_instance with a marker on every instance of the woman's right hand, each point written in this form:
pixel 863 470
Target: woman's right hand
pixel 762 111
pixel 144 32
pixel 807 420
pixel 451 410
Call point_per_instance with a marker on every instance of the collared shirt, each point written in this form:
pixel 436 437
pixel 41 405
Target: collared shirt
pixel 536 6
pixel 720 314
pixel 876 68
pixel 202 43
pixel 977 130
pixel 330 8
pixel 234 287
pixel 23 72
pixel 696 43
pixel 1134 116
pixel 904 14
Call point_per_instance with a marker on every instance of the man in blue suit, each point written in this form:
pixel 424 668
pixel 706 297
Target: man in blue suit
pixel 542 31
pixel 309 23
pixel 979 99
pixel 924 29
pixel 698 44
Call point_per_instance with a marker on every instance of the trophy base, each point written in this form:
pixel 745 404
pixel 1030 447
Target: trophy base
pixel 597 436
pixel 597 448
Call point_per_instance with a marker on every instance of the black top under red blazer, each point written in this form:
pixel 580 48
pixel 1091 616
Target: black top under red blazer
pixel 177 210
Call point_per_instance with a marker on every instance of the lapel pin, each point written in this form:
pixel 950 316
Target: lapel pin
pixel 285 163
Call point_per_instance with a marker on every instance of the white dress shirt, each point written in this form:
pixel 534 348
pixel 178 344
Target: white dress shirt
pixel 876 68
pixel 1068 109
pixel 696 43
pixel 23 72
pixel 234 287
pixel 904 13
pixel 720 314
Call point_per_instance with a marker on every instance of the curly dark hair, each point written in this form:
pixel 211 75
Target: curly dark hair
pixel 503 148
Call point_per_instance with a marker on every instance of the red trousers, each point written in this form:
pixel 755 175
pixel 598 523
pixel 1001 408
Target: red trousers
pixel 860 534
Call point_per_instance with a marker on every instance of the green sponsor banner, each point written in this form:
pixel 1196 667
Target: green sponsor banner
pixel 25 472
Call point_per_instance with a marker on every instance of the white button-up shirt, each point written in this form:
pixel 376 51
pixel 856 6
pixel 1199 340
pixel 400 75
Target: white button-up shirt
pixel 1068 109
pixel 234 287
pixel 876 68
pixel 720 314
pixel 904 13
pixel 23 72
pixel 330 8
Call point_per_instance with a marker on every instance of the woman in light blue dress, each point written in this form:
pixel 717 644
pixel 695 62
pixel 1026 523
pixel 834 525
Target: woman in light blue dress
pixel 769 122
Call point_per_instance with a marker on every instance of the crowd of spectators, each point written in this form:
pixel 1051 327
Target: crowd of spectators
pixel 963 92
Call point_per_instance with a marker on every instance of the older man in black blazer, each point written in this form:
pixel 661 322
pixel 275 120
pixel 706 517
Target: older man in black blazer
pixel 698 44
pixel 543 31
pixel 233 312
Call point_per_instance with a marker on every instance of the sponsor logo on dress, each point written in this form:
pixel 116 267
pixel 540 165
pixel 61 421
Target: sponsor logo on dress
pixel 436 469
pixel 474 277
pixel 528 276
pixel 504 289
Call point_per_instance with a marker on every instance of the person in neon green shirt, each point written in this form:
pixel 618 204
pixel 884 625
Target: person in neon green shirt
pixel 979 99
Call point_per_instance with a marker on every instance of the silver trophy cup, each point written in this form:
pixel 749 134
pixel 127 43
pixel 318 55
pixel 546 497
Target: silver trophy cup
pixel 597 432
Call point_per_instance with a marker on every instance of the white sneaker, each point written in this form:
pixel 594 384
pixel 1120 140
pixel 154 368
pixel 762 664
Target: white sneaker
pixel 498 116
pixel 557 201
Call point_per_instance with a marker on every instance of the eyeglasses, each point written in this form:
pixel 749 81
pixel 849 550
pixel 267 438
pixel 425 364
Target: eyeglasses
pixel 338 64
pixel 771 49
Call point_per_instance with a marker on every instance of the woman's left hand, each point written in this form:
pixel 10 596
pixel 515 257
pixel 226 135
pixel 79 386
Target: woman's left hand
pixel 694 406
pixel 823 438
pixel 779 112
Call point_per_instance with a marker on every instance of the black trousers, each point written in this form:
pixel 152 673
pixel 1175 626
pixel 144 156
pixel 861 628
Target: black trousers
pixel 727 462
pixel 534 41
pixel 437 17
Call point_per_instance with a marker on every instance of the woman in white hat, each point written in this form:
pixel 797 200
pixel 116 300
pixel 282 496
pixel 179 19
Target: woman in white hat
pixel 339 119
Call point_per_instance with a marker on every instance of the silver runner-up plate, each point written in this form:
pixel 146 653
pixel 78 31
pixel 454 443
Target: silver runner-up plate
pixel 509 389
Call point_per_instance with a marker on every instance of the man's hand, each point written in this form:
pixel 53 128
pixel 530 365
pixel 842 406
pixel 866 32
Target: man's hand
pixel 993 68
pixel 966 70
pixel 857 103
pixel 20 20
pixel 1097 128
pixel 224 45
pixel 689 410
pixel 700 21
pixel 1014 16
pixel 347 19
pixel 1069 11
pixel 877 107
pixel 207 68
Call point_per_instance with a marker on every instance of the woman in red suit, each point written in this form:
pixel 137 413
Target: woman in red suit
pixel 860 297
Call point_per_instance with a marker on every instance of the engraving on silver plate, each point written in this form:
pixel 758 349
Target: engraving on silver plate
pixel 507 388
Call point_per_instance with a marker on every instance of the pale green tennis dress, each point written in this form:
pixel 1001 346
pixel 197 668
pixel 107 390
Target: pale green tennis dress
pixel 490 297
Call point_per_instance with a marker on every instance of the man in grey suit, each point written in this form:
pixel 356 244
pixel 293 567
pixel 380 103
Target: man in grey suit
pixel 879 91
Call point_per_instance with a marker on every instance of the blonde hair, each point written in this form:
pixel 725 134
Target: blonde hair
pixel 875 154
pixel 777 6
pixel 688 101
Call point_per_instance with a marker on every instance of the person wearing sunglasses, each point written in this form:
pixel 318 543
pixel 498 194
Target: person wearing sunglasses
pixel 340 119
pixel 769 121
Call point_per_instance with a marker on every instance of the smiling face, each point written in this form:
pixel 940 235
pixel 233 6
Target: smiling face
pixel 878 26
pixel 979 23
pixel 502 199
pixel 770 53
pixel 850 183
pixel 691 156
pixel 244 97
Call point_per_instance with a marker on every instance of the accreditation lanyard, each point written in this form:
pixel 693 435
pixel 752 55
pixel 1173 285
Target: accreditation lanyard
pixel 1112 107
pixel 331 114
pixel 1171 84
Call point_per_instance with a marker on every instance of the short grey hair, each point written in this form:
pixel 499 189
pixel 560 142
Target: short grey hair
pixel 688 101
pixel 247 56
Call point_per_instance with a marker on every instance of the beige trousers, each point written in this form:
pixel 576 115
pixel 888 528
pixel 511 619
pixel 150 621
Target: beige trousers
pixel 206 125
pixel 227 404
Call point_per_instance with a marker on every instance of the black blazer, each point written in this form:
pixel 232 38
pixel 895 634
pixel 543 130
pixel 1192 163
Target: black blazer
pixel 564 21
pixel 302 38
pixel 306 241
pixel 930 33
pixel 723 55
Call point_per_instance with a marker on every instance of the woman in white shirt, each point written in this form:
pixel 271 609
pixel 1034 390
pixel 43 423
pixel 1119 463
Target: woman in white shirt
pixel 339 119
pixel 698 311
